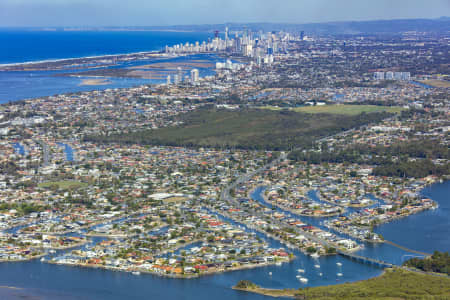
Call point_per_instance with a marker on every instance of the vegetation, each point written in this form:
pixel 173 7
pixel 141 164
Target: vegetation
pixel 415 169
pixel 439 262
pixel 393 284
pixel 22 208
pixel 437 83
pixel 245 129
pixel 245 284
pixel 343 109
pixel 63 185
pixel 402 159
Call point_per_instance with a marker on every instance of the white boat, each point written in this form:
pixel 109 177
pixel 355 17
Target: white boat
pixel 136 273
pixel 339 264
pixel 304 279
pixel 52 251
pixel 270 273
pixel 315 255
pixel 298 276
pixel 317 266
pixel 320 274
pixel 339 274
pixel 301 271
pixel 278 263
pixel 43 259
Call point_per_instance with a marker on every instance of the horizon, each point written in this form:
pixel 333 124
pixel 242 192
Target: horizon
pixel 138 13
pixel 221 24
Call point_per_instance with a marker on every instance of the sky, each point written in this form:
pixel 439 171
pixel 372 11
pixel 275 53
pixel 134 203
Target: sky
pixel 41 13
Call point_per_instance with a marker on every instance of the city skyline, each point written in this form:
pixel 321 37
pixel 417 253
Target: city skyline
pixel 42 13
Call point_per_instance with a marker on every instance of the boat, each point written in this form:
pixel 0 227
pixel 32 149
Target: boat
pixel 315 255
pixel 278 263
pixel 136 273
pixel 270 273
pixel 301 271
pixel 317 266
pixel 339 274
pixel 298 276
pixel 339 264
pixel 303 279
pixel 43 259
pixel 52 251
pixel 320 274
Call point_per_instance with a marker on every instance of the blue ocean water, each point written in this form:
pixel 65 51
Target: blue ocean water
pixel 24 46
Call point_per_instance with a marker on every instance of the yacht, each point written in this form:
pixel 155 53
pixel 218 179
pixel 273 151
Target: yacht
pixel 301 271
pixel 339 274
pixel 303 279
pixel 317 266
pixel 136 273
pixel 339 264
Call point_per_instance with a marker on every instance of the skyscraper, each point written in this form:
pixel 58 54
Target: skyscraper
pixel 180 74
pixel 194 75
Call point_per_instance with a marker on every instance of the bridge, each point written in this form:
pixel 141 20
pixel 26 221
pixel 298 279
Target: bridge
pixel 363 259
pixel 225 195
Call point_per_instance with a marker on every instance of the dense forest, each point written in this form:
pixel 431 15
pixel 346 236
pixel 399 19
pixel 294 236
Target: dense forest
pixel 401 159
pixel 439 262
pixel 244 129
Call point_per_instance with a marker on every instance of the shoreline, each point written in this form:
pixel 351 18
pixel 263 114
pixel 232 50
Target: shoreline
pixel 57 60
pixel 178 276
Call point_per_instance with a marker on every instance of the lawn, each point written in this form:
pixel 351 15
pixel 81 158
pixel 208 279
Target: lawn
pixel 437 83
pixel 63 185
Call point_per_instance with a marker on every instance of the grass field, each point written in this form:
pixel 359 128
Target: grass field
pixel 392 285
pixel 342 109
pixel 245 129
pixel 175 199
pixel 437 83
pixel 64 185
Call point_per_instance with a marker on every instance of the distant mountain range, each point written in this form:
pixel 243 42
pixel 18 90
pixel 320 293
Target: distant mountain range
pixel 439 25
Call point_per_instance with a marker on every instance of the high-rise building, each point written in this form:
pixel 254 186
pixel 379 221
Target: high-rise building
pixel 194 75
pixel 180 74
pixel 389 76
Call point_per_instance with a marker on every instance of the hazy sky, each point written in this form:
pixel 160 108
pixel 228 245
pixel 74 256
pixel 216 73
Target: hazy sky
pixel 173 12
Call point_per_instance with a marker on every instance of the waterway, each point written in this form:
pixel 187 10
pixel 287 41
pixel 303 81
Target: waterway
pixel 45 281
pixel 19 85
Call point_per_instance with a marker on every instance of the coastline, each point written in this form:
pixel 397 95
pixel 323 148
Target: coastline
pixel 170 275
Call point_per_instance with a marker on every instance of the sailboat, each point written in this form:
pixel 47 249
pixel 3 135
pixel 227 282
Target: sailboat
pixel 303 279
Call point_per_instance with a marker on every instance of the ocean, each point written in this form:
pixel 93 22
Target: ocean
pixel 31 46
pixel 18 46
